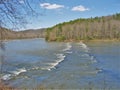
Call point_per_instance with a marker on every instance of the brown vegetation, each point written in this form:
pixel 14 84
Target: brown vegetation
pixel 10 34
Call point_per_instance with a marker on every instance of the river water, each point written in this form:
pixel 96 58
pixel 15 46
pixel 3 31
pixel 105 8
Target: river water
pixel 35 63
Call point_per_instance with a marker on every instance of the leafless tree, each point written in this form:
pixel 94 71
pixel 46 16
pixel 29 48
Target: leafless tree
pixel 14 12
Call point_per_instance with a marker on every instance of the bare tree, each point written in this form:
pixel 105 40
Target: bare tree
pixel 14 12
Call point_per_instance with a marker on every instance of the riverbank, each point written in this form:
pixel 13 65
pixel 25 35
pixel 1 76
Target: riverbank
pixel 71 40
pixel 5 87
pixel 6 40
pixel 93 40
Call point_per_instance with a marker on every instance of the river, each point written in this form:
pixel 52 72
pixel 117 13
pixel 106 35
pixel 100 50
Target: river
pixel 35 63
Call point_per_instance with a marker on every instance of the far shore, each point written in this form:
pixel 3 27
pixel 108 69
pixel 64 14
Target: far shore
pixel 94 40
pixel 104 40
pixel 18 39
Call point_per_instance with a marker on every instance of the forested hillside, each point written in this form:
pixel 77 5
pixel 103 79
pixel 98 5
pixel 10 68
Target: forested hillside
pixel 9 34
pixel 105 27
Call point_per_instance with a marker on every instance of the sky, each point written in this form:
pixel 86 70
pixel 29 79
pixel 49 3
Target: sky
pixel 58 11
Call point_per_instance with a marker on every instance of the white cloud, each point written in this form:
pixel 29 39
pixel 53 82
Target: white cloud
pixel 51 6
pixel 80 8
pixel 21 1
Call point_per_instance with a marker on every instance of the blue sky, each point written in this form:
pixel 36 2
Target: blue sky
pixel 57 11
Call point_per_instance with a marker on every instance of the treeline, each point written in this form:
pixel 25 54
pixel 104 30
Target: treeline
pixel 6 34
pixel 105 27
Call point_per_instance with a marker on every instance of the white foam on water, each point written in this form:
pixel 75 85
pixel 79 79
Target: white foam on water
pixel 60 58
pixel 53 64
pixel 98 70
pixel 6 77
pixel 13 74
pixel 50 66
pixel 19 71
pixel 69 52
pixel 68 47
pixel 46 68
pixel 84 46
pixel 93 59
pixel 35 68
pixel 85 55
